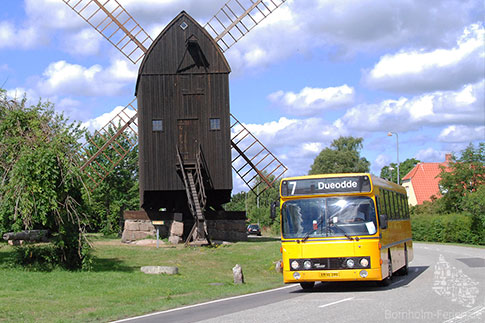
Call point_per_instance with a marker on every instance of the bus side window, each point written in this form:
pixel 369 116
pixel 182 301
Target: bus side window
pixel 390 206
pixel 401 206
pixel 386 203
pixel 406 207
pixel 393 203
pixel 381 204
pixel 397 199
pixel 378 205
pixel 397 196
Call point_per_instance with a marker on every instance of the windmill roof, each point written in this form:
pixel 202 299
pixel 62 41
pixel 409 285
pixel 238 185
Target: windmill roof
pixel 425 180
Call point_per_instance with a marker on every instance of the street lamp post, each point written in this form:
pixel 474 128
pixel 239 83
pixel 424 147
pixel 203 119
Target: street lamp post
pixel 390 133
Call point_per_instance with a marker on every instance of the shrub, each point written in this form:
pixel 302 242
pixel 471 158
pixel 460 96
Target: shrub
pixel 452 227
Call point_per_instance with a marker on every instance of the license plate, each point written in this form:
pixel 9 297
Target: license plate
pixel 329 274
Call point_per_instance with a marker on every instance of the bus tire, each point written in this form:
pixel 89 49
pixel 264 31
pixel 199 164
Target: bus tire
pixel 307 285
pixel 404 270
pixel 387 281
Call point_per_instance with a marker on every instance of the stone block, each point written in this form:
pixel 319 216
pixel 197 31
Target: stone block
pixel 177 229
pixel 278 267
pixel 138 235
pixel 132 225
pixel 156 270
pixel 147 226
pixel 174 239
pixel 238 274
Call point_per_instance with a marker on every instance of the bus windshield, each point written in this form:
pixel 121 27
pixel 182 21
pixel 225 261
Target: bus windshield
pixel 328 217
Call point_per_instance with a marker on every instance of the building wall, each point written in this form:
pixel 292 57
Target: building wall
pixel 410 192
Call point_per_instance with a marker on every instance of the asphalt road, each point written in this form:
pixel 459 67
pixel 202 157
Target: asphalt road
pixel 444 284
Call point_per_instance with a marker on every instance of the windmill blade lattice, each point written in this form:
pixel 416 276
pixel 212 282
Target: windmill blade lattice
pixel 112 21
pixel 107 147
pixel 252 161
pixel 236 18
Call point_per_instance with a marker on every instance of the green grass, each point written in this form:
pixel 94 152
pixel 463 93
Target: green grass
pixel 116 288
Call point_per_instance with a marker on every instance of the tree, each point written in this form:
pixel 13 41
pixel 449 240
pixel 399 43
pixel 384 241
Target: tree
pixel 118 191
pixel 237 203
pixel 463 176
pixel 404 168
pixel 41 183
pixel 342 157
pixel 258 208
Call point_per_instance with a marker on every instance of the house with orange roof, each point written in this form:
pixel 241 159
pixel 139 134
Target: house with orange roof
pixel 422 182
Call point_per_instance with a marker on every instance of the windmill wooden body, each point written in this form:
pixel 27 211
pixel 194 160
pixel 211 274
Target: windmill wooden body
pixel 183 103
pixel 184 126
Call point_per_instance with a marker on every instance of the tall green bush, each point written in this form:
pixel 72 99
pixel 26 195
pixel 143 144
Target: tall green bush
pixel 452 227
pixel 41 184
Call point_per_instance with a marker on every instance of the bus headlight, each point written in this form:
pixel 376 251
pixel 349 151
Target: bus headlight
pixel 295 265
pixel 364 262
pixel 363 273
pixel 350 263
pixel 307 264
pixel 296 275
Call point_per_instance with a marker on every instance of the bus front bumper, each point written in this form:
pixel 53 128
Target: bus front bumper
pixel 371 274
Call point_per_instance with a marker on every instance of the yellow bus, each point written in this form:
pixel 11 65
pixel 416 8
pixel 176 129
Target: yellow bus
pixel 343 227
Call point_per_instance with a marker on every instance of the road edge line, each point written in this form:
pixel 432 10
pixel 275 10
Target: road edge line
pixel 202 304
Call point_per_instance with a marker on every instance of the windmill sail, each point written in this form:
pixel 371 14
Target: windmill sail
pixel 236 18
pixel 107 147
pixel 252 161
pixel 112 21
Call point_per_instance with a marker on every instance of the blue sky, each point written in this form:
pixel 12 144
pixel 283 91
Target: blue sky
pixel 314 70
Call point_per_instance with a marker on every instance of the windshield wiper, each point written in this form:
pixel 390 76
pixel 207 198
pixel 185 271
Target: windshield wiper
pixel 342 230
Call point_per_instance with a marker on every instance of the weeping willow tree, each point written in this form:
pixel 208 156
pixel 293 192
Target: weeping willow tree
pixel 40 181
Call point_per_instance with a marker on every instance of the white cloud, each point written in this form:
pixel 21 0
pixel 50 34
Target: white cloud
pixel 464 107
pixel 462 134
pixel 430 155
pixel 381 161
pixel 439 69
pixel 313 100
pixel 295 142
pixel 85 42
pixel 14 37
pixel 63 78
pixel 346 28
pixel 51 14
pixel 99 122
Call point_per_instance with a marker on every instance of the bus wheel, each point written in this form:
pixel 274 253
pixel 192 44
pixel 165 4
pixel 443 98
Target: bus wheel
pixel 387 281
pixel 307 285
pixel 404 270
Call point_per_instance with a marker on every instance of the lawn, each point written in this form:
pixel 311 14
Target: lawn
pixel 116 288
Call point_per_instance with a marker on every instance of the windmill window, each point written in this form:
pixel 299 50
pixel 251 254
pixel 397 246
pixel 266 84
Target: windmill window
pixel 157 125
pixel 215 124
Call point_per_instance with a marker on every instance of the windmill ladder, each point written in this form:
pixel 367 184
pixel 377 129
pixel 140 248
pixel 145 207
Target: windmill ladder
pixel 194 188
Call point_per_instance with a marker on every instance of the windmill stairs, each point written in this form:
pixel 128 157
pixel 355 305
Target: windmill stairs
pixel 196 178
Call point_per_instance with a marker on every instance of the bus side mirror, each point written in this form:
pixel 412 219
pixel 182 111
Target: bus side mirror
pixel 383 221
pixel 273 210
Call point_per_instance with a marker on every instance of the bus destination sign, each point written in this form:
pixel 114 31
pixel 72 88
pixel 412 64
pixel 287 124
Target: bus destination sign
pixel 329 185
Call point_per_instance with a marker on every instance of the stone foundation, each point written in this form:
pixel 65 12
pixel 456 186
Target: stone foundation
pixel 221 225
pixel 137 226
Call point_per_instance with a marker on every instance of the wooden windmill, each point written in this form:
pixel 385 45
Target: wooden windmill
pixel 183 124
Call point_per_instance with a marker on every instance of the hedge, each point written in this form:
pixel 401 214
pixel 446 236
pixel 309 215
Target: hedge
pixel 452 227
